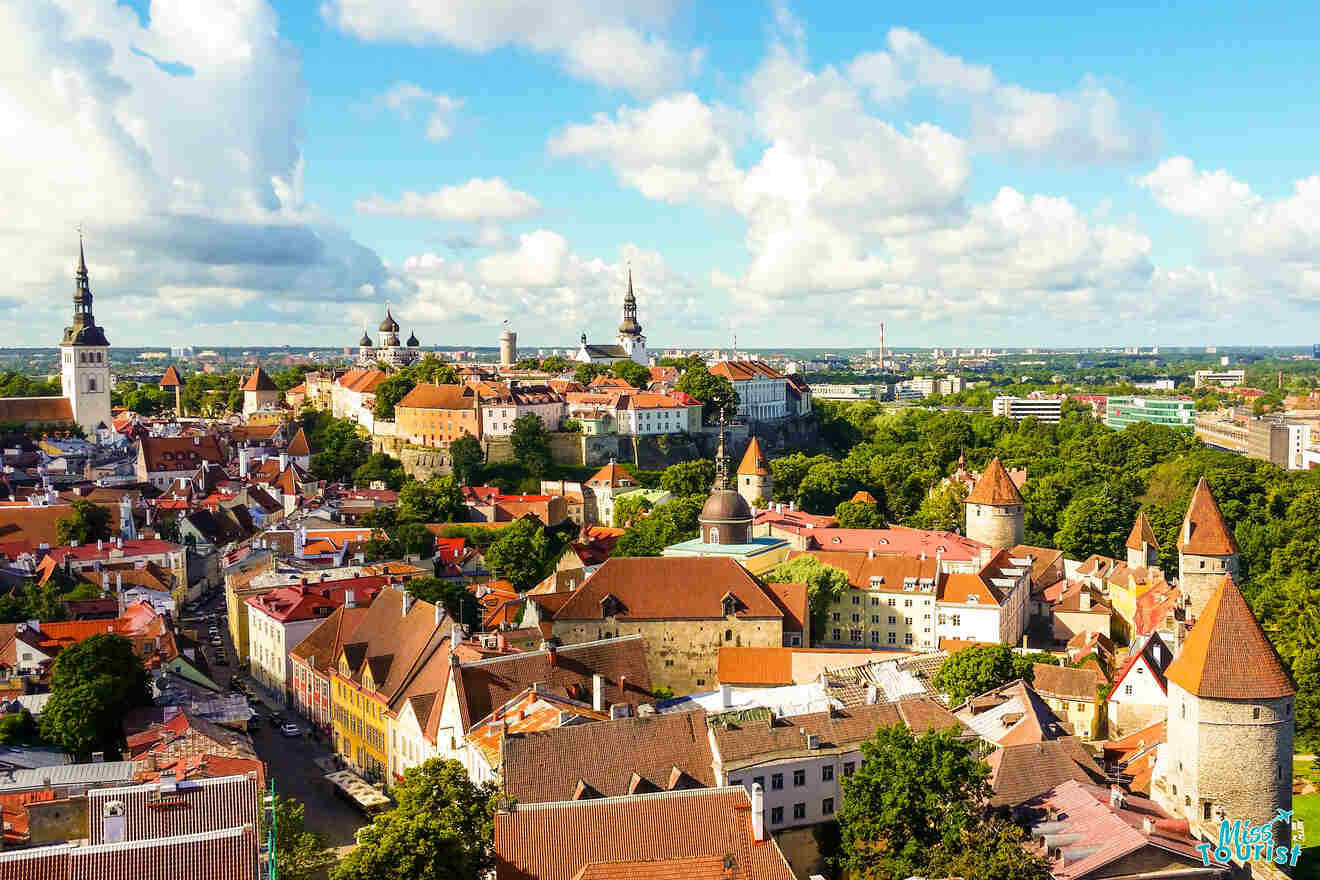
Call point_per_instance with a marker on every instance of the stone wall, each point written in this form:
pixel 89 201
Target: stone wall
pixel 58 820
pixel 681 654
pixel 999 527
pixel 422 463
pixel 1200 576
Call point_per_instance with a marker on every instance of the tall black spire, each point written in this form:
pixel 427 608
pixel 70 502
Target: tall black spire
pixel 721 462
pixel 630 327
pixel 84 330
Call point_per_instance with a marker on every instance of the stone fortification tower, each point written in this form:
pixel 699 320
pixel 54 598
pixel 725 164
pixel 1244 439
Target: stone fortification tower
pixel 755 483
pixel 1206 549
pixel 1143 551
pixel 995 509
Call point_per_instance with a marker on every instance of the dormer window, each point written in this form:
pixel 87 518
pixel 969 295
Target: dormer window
pixel 729 605
pixel 877 581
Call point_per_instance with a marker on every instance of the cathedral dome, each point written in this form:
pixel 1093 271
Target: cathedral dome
pixel 365 341
pixel 725 506
pixel 412 340
pixel 389 325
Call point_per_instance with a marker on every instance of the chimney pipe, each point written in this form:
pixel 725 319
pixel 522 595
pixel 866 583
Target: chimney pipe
pixel 598 692
pixel 758 812
pixel 1085 599
pixel 871 694
pixel 726 696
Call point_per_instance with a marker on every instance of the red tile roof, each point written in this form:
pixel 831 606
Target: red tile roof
pixel 741 371
pixel 289 604
pixel 180 453
pixel 1204 532
pixel 1142 532
pixel 755 666
pixel 754 462
pixel 298 445
pixel 171 378
pixel 427 396
pixel 194 807
pixel 36 409
pixel 556 841
pixel 896 539
pixel 995 488
pixel 260 381
pixel 1227 656
pixel 660 588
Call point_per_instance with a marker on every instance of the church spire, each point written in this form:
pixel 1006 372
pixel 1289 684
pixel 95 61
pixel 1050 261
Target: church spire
pixel 630 327
pixel 721 462
pixel 84 330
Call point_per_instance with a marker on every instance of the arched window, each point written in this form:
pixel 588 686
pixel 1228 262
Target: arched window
pixel 728 635
pixel 714 536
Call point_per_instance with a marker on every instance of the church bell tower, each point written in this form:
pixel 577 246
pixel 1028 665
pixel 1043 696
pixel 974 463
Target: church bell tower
pixel 85 358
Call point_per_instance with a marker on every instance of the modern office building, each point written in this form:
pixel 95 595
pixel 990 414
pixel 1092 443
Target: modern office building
pixel 1226 378
pixel 1177 412
pixel 1045 409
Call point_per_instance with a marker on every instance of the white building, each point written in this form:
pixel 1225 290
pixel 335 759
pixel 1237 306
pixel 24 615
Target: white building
pixel 1224 378
pixel 1140 696
pixel 762 390
pixel 277 622
pixel 644 413
pixel 499 413
pixel 992 605
pixel 1044 409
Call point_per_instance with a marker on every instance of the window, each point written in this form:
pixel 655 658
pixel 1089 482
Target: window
pixel 776 781
pixel 827 773
pixel 875 638
pixel 799 811
pixel 893 637
pixel 827 806
pixel 799 778
pixel 893 619
pixel 835 617
pixel 857 600
pixel 1255 711
pixel 701 682
pixel 1182 711
pixel 857 618
pixel 875 618
pixel 836 635
pixel 892 602
pixel 907 603
pixel 875 600
pixel 728 635
pixel 907 638
pixel 1127 690
pixel 849 768
pixel 957 620
pixel 908 621
pixel 758 780
pixel 943 620
pixel 855 635
pixel 776 815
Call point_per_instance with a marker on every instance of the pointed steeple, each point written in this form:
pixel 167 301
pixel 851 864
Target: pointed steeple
pixel 1227 655
pixel 721 462
pixel 630 327
pixel 1142 534
pixel 995 487
pixel 82 260
pixel 754 462
pixel 1204 531
pixel 84 330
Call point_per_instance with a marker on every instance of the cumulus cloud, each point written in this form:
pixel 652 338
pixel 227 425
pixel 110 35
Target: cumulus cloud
pixel 616 45
pixel 407 99
pixel 175 145
pixel 474 201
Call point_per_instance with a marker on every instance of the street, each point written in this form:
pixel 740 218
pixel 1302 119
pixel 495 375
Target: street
pixel 290 761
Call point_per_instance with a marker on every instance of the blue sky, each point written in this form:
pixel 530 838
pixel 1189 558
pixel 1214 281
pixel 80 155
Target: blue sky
pixel 796 174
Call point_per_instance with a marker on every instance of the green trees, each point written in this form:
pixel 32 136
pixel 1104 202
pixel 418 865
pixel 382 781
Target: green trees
pixel 632 372
pixel 630 509
pixel 1095 523
pixel 859 515
pixel 716 392
pixel 519 555
pixel 912 796
pixel 668 524
pixel 941 509
pixel 584 373
pixel 86 523
pixel 693 477
pixel 18 729
pixel 380 467
pixel 457 599
pixel 442 829
pixel 557 364
pixel 531 444
pixel 438 500
pixel 976 670
pixel 93 685
pixel 342 447
pixel 466 457
pixel 825 586
pixel 391 391
pixel 301 854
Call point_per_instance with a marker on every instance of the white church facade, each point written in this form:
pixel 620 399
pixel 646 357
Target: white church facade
pixel 630 345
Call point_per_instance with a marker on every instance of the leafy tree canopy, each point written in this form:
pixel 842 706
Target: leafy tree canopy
pixel 825 586
pixel 94 683
pixel 86 523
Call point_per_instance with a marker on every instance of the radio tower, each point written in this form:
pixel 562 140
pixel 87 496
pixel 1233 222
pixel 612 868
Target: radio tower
pixel 882 345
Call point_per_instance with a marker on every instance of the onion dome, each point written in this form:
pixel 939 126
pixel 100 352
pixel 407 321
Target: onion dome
pixel 389 325
pixel 412 340
pixel 725 506
pixel 365 341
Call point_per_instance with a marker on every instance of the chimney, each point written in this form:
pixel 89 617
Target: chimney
pixel 1147 826
pixel 598 692
pixel 758 812
pixel 284 461
pixel 1085 599
pixel 350 600
pixel 1115 797
pixel 100 545
pixel 1024 640
pixel 871 694
pixel 407 600
pixel 551 654
pixel 870 553
pixel 726 696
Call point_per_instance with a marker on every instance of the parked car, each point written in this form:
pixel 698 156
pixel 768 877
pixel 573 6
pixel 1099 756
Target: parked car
pixel 290 729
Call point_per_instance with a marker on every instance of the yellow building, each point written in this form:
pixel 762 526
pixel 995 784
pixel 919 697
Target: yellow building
pixel 1073 695
pixel 238 589
pixel 360 720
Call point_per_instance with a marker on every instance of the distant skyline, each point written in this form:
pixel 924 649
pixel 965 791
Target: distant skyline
pixel 250 174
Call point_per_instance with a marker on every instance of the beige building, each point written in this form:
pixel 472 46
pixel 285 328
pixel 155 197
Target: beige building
pixel 686 609
pixel 1074 695
pixel 260 392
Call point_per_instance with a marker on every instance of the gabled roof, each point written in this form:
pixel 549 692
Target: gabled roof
pixel 427 396
pixel 754 462
pixel 1064 682
pixel 660 588
pixel 1142 533
pixel 742 371
pixel 995 488
pixel 171 378
pixel 611 475
pixel 36 409
pixel 298 445
pixel 548 765
pixel 363 381
pixel 1227 656
pixel 1204 532
pixel 1019 773
pixel 1151 652
pixel 180 453
pixel 260 381
pixel 556 841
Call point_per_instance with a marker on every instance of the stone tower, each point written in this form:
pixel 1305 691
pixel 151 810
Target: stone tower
pixel 85 358
pixel 508 348
pixel 1206 549
pixel 755 483
pixel 631 339
pixel 259 391
pixel 1230 728
pixel 995 509
pixel 1143 551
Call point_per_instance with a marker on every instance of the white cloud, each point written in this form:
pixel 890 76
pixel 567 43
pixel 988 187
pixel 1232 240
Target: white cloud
pixel 475 201
pixel 176 145
pixel 1204 195
pixel 614 44
pixel 406 98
